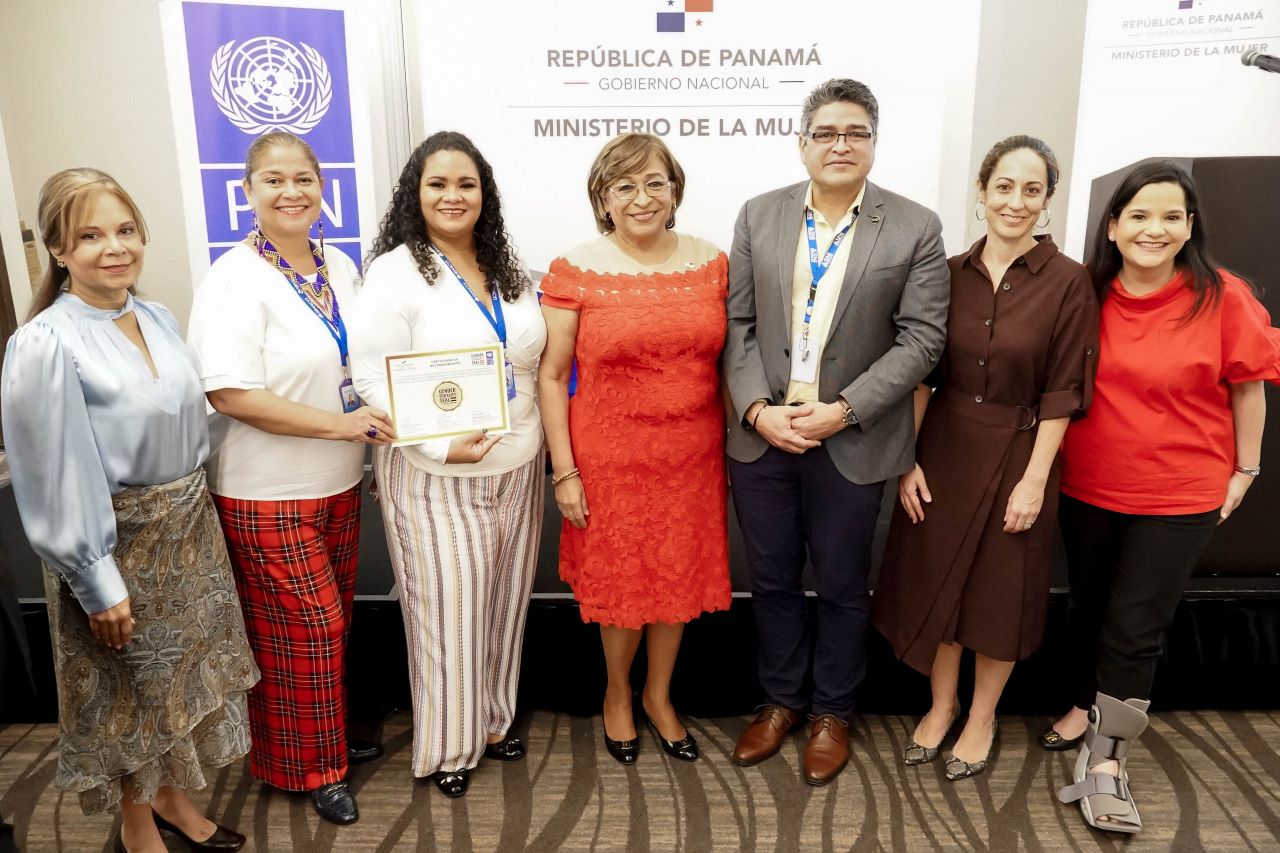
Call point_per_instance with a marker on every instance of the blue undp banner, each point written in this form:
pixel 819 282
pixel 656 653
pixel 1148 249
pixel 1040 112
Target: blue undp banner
pixel 254 69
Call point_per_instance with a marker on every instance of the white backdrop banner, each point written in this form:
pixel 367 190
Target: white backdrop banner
pixel 540 87
pixel 1163 78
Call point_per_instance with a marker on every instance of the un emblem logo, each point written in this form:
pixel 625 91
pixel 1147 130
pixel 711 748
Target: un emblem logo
pixel 268 84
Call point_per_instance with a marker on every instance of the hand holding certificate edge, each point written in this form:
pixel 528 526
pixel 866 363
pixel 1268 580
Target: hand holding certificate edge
pixel 471 448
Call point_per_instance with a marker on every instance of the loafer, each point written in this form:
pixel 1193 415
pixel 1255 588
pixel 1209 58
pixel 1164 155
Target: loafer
pixel 508 749
pixel 828 750
pixel 763 738
pixel 452 783
pixel 359 751
pixel 335 803
pixel 685 749
pixel 222 838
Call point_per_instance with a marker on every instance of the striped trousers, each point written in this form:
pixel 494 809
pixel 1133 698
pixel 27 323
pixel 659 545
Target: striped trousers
pixel 464 551
pixel 295 571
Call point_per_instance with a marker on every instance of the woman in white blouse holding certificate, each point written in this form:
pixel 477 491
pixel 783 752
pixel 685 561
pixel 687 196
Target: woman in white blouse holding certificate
pixel 462 515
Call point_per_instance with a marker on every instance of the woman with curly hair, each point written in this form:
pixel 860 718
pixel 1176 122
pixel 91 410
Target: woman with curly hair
pixel 462 516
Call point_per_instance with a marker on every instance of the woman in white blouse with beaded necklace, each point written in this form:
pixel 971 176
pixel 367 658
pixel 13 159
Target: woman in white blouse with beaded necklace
pixel 289 446
pixel 462 517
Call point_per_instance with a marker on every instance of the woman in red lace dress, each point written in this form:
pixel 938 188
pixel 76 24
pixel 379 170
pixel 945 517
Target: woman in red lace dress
pixel 638 455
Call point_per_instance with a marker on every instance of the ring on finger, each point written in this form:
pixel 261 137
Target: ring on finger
pixel 372 432
pixel 1026 525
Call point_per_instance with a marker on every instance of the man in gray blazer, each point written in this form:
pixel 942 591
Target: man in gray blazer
pixel 837 309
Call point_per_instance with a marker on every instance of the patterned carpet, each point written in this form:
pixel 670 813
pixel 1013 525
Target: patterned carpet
pixel 1204 781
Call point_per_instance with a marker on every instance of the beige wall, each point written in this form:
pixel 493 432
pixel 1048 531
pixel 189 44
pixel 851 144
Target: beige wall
pixel 83 84
pixel 1028 82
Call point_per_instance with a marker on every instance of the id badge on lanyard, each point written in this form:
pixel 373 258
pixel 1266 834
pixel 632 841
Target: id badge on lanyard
pixel 347 390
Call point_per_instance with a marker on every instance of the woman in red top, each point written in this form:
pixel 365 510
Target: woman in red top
pixel 1168 450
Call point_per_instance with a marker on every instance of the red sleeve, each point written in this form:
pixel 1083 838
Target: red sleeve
pixel 1250 344
pixel 1073 353
pixel 561 287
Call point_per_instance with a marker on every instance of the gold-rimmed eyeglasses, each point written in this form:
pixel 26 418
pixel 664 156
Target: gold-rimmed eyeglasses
pixel 653 189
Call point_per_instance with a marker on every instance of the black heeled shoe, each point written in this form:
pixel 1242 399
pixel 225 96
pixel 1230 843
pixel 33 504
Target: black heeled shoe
pixel 335 803
pixel 508 749
pixel 452 783
pixel 685 749
pixel 222 838
pixel 359 751
pixel 623 751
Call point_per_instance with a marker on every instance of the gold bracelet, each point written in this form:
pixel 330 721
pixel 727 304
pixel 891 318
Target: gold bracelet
pixel 568 475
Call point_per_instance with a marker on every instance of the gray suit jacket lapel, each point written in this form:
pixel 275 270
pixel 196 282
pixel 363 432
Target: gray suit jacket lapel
pixel 788 234
pixel 870 218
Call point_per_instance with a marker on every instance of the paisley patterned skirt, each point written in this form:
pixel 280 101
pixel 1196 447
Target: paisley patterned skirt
pixel 171 705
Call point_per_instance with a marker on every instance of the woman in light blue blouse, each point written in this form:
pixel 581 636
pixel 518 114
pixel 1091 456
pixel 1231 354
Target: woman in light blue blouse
pixel 105 428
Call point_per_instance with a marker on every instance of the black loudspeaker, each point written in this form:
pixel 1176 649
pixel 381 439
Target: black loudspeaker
pixel 1239 212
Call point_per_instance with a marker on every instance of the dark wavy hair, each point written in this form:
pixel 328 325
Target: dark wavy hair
pixel 1105 261
pixel 405 224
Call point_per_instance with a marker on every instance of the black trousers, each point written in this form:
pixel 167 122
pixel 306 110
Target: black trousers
pixel 787 506
pixel 1127 575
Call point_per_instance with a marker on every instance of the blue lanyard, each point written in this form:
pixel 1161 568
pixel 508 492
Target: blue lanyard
pixel 496 320
pixel 816 267
pixel 337 328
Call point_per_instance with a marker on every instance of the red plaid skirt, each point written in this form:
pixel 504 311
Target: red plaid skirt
pixel 295 570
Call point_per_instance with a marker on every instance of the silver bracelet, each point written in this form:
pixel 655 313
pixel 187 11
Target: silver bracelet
pixel 1248 472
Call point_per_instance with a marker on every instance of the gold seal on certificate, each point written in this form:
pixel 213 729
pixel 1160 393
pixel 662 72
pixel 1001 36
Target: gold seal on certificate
pixel 447 394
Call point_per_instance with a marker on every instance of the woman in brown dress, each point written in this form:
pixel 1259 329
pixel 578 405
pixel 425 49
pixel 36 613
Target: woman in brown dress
pixel 966 565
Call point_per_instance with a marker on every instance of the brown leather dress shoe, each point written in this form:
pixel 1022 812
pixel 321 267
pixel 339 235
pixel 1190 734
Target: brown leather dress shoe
pixel 828 749
pixel 763 738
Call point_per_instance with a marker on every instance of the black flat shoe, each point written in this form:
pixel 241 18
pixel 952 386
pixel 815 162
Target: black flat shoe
pixel 335 803
pixel 452 783
pixel 360 751
pixel 1051 740
pixel 222 838
pixel 508 749
pixel 685 749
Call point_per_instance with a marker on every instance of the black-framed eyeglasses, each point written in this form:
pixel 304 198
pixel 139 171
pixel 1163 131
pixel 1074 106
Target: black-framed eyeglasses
pixel 827 137
pixel 653 189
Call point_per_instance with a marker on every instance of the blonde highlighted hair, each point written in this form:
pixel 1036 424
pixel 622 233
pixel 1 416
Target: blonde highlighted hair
pixel 64 204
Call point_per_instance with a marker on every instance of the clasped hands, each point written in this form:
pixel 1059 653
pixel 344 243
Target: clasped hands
pixel 796 429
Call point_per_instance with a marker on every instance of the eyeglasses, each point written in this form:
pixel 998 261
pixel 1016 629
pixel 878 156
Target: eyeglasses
pixel 653 189
pixel 826 137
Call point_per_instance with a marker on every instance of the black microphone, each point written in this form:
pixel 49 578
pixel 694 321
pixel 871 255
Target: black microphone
pixel 1261 60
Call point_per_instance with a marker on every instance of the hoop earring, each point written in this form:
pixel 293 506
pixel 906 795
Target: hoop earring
pixel 977 210
pixel 1045 224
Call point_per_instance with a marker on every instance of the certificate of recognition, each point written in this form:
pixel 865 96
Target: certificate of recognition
pixel 447 394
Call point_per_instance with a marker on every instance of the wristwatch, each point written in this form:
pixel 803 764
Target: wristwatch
pixel 850 419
